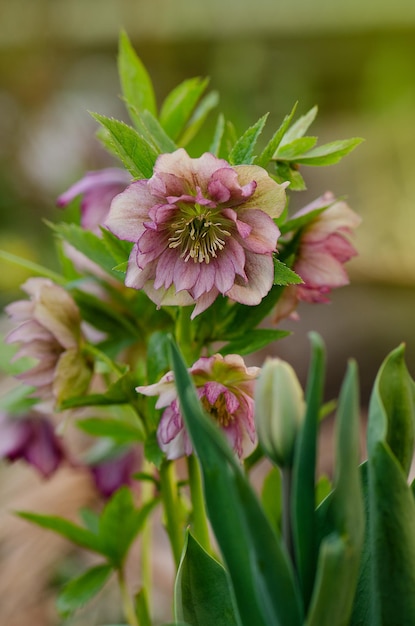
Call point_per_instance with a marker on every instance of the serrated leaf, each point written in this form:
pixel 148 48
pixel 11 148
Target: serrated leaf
pixel 243 150
pixel 82 589
pixel 199 116
pixel 296 148
pixel 136 84
pixel 137 155
pixel 253 340
pixel 329 153
pixel 179 105
pixel 119 249
pixel 202 594
pixel 283 275
pixel 299 222
pixel 118 430
pixel 266 155
pixel 215 146
pixel 157 132
pixel 286 173
pixel 261 574
pixel 300 127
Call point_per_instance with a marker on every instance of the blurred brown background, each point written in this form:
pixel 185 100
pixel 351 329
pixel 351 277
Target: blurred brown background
pixel 356 60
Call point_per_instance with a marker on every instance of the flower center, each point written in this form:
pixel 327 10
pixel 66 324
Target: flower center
pixel 199 237
pixel 218 411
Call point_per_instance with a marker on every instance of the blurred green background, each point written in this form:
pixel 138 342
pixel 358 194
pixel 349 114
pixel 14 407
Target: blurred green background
pixel 355 60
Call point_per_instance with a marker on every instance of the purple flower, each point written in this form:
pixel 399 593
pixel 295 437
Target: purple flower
pixel 225 387
pixel 200 228
pixel 113 472
pixel 323 250
pixel 97 190
pixel 49 332
pixel 33 439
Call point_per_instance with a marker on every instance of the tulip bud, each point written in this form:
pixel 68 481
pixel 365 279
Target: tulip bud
pixel 279 410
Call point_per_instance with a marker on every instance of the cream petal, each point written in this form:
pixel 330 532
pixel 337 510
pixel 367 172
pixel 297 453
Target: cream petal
pixel 260 274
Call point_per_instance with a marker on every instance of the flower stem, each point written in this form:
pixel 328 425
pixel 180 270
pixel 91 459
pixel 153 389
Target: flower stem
pixel 184 335
pixel 200 526
pixel 101 356
pixel 287 476
pixel 127 602
pixel 146 537
pixel 172 509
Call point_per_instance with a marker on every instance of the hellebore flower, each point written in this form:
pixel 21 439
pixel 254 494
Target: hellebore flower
pixel 225 387
pixel 50 333
pixel 323 250
pixel 97 189
pixel 33 439
pixel 279 410
pixel 111 473
pixel 200 228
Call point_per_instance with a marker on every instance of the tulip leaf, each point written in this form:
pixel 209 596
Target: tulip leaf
pixel 202 593
pixel 134 151
pixel 80 590
pixel 303 498
pixel 180 104
pixel 243 150
pixel 271 497
pixel 266 155
pixel 261 574
pixel 253 341
pixel 136 84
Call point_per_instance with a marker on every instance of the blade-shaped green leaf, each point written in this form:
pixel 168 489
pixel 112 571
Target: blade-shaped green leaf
pixel 286 172
pixel 82 589
pixel 253 340
pixel 202 594
pixel 137 155
pixel 121 431
pixel 205 106
pixel 180 104
pixel 215 145
pixel 283 275
pixel 296 148
pixel 258 566
pixel 303 497
pixel 329 153
pixel 266 155
pixel 136 84
pixel 300 127
pixel 120 392
pixel 243 150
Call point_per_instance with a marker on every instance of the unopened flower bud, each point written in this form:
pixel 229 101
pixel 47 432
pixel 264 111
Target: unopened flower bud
pixel 279 410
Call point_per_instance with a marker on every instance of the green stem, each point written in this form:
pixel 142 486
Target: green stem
pixel 287 476
pixel 184 334
pixel 146 537
pixel 171 505
pixel 101 356
pixel 200 525
pixel 127 602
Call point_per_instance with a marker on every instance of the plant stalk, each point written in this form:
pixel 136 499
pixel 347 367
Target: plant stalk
pixel 287 476
pixel 200 525
pixel 171 505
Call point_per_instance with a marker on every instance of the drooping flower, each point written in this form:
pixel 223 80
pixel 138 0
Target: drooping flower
pixel 200 228
pixel 97 189
pixel 225 387
pixel 32 438
pixel 49 331
pixel 112 472
pixel 324 248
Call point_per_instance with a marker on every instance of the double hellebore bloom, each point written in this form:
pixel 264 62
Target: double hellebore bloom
pixel 32 438
pixel 200 228
pixel 323 250
pixel 225 387
pixel 97 189
pixel 49 331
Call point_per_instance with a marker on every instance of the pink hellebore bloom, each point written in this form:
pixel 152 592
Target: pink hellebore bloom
pixel 323 250
pixel 110 474
pixel 33 439
pixel 49 331
pixel 200 228
pixel 97 189
pixel 225 387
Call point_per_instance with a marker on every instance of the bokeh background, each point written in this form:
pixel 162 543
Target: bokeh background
pixel 356 60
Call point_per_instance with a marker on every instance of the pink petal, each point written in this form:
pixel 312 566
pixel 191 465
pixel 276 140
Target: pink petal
pixel 129 210
pixel 263 234
pixel 260 274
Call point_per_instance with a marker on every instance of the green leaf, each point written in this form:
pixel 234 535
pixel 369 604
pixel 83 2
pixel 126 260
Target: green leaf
pixel 243 150
pixel 283 275
pixel 17 400
pixel 135 152
pixel 120 431
pixel 82 589
pixel 285 172
pixel 152 450
pixel 329 153
pixel 35 268
pixel 76 534
pixel 266 155
pixel 303 494
pixel 253 340
pixel 92 246
pixel 158 362
pixel 179 105
pixel 271 497
pixel 119 523
pixel 294 149
pixel 159 136
pixel 392 409
pixel 299 222
pixel 300 127
pixel 120 250
pixel 209 102
pixel 136 84
pixel 261 574
pixel 323 489
pixel 142 608
pixel 201 593
pixel 243 318
pixel 120 392
pixel 215 146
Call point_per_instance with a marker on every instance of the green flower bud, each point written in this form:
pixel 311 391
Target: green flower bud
pixel 279 410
